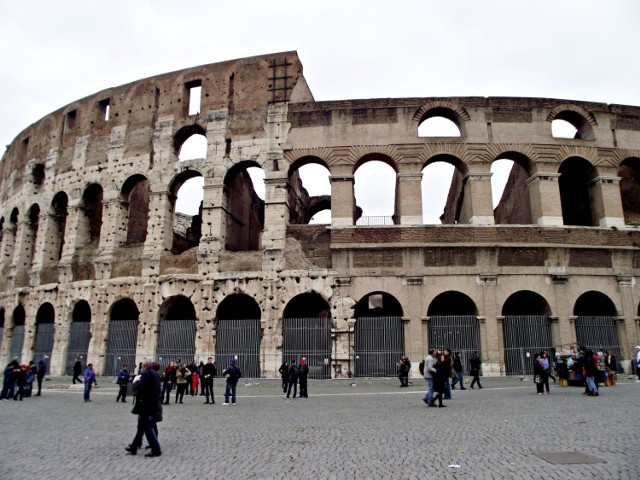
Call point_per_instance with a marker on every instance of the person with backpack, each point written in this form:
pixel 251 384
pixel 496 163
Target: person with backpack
pixel 41 370
pixel 232 373
pixel 293 379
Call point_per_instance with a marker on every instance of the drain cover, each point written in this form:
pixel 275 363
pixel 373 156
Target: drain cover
pixel 558 458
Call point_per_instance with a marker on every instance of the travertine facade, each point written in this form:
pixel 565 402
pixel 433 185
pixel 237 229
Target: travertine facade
pixel 87 216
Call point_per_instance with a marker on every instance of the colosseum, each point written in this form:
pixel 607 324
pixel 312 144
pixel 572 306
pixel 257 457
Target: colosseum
pixel 97 263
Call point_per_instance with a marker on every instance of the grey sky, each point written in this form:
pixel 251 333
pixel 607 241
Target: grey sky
pixel 56 52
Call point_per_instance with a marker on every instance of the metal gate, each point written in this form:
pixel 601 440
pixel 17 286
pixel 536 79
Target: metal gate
pixel 309 338
pixel 121 345
pixel 239 338
pixel 524 336
pixel 79 337
pixel 44 342
pixel 598 333
pixel 17 342
pixel 460 333
pixel 176 339
pixel 379 344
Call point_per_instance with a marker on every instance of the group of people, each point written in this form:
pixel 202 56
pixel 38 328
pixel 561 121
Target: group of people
pixel 19 378
pixel 294 374
pixel 439 367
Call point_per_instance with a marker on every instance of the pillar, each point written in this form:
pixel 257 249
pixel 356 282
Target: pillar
pixel 604 192
pixel 477 206
pixel 342 200
pixel 409 198
pixel 544 195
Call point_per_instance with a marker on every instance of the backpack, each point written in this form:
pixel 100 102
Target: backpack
pixel 421 368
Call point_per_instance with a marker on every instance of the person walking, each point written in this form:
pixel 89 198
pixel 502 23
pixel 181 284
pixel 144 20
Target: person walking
pixel 404 367
pixel 637 362
pixel 77 371
pixel 182 381
pixel 20 377
pixel 475 363
pixel 89 381
pixel 209 371
pixel 448 366
pixel 232 373
pixel 303 374
pixel 148 407
pixel 168 380
pixel 458 370
pixel 123 383
pixel 442 371
pixel 429 370
pixel 538 371
pixel 41 370
pixel 543 360
pixel 293 379
pixel 284 375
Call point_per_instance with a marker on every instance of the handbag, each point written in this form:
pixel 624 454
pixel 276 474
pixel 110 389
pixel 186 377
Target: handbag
pixel 137 407
pixel 537 379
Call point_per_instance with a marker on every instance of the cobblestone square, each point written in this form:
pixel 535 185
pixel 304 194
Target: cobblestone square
pixel 372 429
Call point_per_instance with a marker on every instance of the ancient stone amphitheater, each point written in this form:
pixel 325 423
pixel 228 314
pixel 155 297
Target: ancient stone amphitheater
pixel 97 264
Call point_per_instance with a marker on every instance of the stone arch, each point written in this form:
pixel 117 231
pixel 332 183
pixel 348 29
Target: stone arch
pixel 576 175
pixel 452 303
pixel 629 173
pixel 514 207
pixel 595 322
pixel 90 222
pixel 122 335
pixel 45 331
pixel 79 334
pixel 453 324
pixel 445 109
pixel 452 205
pixel 526 302
pixel 376 206
pixel 183 134
pixel 18 319
pixel 187 229
pixel 176 330
pixel 302 205
pixel 31 239
pixel 58 211
pixel 238 333
pixel 581 119
pixel 594 303
pixel 245 209
pixel 379 335
pixel 134 198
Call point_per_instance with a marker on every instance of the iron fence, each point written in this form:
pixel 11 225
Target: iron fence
pixel 379 344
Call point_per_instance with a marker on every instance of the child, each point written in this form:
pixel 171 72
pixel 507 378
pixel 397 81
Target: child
pixel 195 379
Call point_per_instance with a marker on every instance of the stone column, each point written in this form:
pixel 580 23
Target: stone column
pixel 566 328
pixel 43 238
pixel 97 350
pixel 159 230
pixel 60 341
pixel 490 337
pixel 414 323
pixel 604 193
pixel 110 236
pixel 476 206
pixel 214 226
pixel 409 198
pixel 628 332
pixel 544 195
pixel 72 237
pixel 342 200
pixel 21 263
pixel 276 216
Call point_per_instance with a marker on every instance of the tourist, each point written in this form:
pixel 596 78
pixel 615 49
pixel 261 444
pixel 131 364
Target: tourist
pixel 284 375
pixel 168 380
pixel 182 381
pixel 89 381
pixel 543 360
pixel 538 371
pixel 148 407
pixel 404 367
pixel 458 370
pixel 41 370
pixel 447 361
pixel 209 371
pixel 232 373
pixel 429 371
pixel 293 379
pixel 442 371
pixel 123 383
pixel 77 371
pixel 303 374
pixel 475 363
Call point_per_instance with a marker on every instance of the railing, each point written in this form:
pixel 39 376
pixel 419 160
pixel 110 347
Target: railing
pixel 375 221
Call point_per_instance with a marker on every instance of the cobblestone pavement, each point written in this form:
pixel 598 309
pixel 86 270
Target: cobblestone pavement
pixel 373 429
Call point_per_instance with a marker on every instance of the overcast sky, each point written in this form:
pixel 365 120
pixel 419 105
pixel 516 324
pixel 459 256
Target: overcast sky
pixel 53 53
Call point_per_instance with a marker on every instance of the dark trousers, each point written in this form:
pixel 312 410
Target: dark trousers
pixel 39 379
pixel 208 390
pixel 180 389
pixel 292 383
pixel 146 426
pixel 76 377
pixel 303 388
pixel 122 393
pixel 166 391
pixel 476 378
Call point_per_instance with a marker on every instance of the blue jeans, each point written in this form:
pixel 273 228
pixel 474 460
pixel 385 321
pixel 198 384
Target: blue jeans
pixel 429 395
pixel 87 390
pixel 146 426
pixel 457 380
pixel 447 389
pixel 591 384
pixel 231 388
pixel 166 391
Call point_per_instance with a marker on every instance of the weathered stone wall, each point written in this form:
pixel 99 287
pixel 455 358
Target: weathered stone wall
pixel 118 243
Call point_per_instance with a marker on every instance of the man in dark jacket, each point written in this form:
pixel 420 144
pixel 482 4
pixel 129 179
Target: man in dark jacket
pixel 232 373
pixel 77 371
pixel 475 363
pixel 209 371
pixel 123 382
pixel 294 371
pixel 303 373
pixel 457 367
pixel 148 406
pixel 41 370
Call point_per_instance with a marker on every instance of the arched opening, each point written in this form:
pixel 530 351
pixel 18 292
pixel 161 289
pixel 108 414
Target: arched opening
pixel 526 330
pixel 629 173
pixel 79 335
pixel 187 195
pixel 122 335
pixel 176 331
pixel 379 335
pixel 438 127
pixel 453 324
pixel 90 223
pixel 596 323
pixel 245 209
pixel 509 190
pixel 17 333
pixel 575 175
pixel 30 238
pixel 58 214
pixel 238 333
pixel 375 192
pixel 45 330
pixel 306 333
pixel 10 239
pixel 309 192
pixel 135 202
pixel 442 190
pixel 195 147
pixel 571 124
